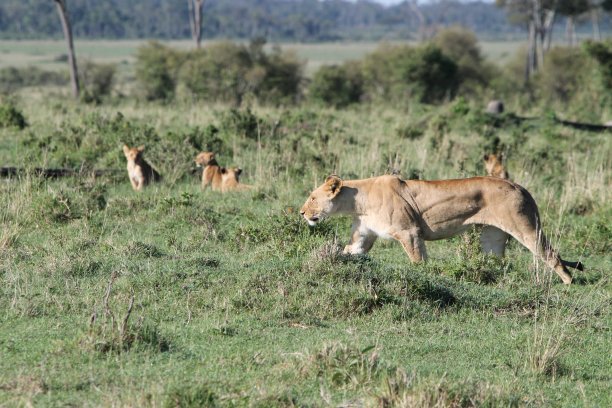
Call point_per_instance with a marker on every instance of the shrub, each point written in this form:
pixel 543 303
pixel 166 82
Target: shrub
pixel 218 72
pixel 281 81
pixel 602 53
pixel 156 67
pixel 337 85
pixel 400 73
pixel 96 80
pixel 10 116
pixel 227 72
pixel 563 73
pixel 461 45
pixel 12 78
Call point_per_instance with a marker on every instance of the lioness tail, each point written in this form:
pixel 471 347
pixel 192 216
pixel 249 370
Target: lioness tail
pixel 575 265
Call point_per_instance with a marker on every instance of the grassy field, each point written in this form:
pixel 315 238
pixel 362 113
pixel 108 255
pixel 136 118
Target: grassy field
pixel 47 54
pixel 236 302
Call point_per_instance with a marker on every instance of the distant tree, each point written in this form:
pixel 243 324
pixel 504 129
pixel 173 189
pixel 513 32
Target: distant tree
pixel 195 20
pixel 571 9
pixel 67 28
pixel 538 16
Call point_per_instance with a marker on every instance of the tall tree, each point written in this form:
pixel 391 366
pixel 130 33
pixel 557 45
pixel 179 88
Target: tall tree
pixel 538 16
pixel 571 9
pixel 67 28
pixel 195 20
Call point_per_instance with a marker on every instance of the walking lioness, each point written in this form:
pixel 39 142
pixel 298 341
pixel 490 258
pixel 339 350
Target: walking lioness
pixel 414 211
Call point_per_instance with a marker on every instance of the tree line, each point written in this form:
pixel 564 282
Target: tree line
pixel 276 20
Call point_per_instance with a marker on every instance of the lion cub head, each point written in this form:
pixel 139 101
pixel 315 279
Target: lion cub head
pixel 320 203
pixel 205 159
pixel 494 165
pixel 133 154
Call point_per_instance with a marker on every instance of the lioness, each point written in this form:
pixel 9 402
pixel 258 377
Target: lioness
pixel 494 166
pixel 140 172
pixel 413 211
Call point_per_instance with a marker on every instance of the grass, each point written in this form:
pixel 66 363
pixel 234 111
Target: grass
pixel 236 302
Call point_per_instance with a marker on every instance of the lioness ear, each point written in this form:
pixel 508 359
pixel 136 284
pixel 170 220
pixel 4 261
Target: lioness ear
pixel 140 148
pixel 333 183
pixel 238 171
pixel 126 149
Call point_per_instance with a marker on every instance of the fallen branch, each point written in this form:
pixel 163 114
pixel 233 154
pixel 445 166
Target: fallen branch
pixel 54 173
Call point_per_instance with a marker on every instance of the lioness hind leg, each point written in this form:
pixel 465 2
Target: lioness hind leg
pixel 413 245
pixel 535 240
pixel 493 240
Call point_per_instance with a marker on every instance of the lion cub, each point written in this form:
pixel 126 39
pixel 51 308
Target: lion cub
pixel 212 173
pixel 495 167
pixel 219 178
pixel 140 172
pixel 231 180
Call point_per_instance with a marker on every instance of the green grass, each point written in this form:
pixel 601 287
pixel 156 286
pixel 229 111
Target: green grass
pixel 238 303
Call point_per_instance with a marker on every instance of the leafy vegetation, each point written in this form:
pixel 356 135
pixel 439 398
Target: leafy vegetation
pixel 182 297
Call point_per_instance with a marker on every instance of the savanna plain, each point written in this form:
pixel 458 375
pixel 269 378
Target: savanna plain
pixel 181 297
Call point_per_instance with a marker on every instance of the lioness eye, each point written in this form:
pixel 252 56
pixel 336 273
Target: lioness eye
pixel 312 198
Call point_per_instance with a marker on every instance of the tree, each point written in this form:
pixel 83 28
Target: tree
pixel 195 20
pixel 67 28
pixel 572 9
pixel 539 17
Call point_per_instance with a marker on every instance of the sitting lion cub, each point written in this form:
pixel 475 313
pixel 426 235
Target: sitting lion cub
pixel 495 167
pixel 140 172
pixel 415 211
pixel 220 178
pixel 231 180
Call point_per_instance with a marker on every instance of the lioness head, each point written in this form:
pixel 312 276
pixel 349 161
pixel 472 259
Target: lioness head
pixel 205 158
pixel 320 203
pixel 133 153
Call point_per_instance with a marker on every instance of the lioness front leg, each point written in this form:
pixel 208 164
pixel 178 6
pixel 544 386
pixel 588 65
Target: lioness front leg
pixel 413 244
pixel 361 241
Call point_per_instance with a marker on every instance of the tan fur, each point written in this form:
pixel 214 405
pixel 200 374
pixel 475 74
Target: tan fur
pixel 231 180
pixel 139 171
pixel 220 178
pixel 495 167
pixel 415 211
pixel 213 173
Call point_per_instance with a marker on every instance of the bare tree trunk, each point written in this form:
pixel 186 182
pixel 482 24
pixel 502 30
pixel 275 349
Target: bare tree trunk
pixel 195 20
pixel 595 20
pixel 569 31
pixel 74 76
pixel 414 6
pixel 532 62
pixel 549 23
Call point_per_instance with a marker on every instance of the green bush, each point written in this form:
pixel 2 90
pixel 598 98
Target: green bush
pixel 96 80
pixel 461 45
pixel 563 74
pixel 10 116
pixel 402 73
pixel 227 72
pixel 156 70
pixel 602 53
pixel 12 78
pixel 337 85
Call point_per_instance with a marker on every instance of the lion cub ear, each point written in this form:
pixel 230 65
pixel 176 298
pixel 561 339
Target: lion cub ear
pixel 486 157
pixel 140 148
pixel 333 183
pixel 126 149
